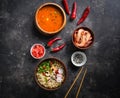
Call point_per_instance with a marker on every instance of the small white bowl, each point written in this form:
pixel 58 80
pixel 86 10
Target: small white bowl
pixel 78 58
pixel 40 46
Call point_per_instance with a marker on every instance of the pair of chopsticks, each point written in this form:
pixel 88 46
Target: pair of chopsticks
pixel 75 81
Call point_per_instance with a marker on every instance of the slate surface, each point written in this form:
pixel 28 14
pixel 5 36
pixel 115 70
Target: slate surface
pixel 18 33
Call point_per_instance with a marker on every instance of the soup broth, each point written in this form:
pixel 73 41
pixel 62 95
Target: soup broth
pixel 50 18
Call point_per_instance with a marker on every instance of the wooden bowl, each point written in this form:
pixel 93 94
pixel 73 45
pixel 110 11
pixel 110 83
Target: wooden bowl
pixel 40 71
pixel 86 29
pixel 50 18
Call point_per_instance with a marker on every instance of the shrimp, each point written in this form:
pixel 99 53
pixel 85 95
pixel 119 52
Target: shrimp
pixel 90 38
pixel 88 43
pixel 83 41
pixel 79 34
pixel 83 38
pixel 88 35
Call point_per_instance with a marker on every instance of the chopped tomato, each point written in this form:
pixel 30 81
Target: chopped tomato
pixel 56 72
pixel 38 51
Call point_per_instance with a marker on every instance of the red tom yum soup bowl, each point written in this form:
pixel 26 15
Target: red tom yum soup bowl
pixel 50 18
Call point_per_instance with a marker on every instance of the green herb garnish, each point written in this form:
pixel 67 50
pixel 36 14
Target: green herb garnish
pixel 43 67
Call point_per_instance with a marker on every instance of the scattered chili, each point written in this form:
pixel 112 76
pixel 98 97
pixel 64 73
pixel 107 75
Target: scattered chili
pixel 52 41
pixel 84 15
pixel 58 48
pixel 65 3
pixel 74 10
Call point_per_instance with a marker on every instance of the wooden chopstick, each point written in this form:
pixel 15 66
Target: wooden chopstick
pixel 81 83
pixel 73 82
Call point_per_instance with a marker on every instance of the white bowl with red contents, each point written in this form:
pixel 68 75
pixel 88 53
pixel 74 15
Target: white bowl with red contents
pixel 37 51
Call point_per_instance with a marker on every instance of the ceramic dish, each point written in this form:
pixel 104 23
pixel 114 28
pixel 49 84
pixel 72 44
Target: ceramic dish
pixel 37 51
pixel 78 58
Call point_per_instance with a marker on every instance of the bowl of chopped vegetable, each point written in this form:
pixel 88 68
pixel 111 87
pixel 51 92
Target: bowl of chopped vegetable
pixel 83 38
pixel 50 74
pixel 37 51
pixel 78 58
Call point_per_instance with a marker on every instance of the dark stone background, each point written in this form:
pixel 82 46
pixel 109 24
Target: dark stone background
pixel 17 34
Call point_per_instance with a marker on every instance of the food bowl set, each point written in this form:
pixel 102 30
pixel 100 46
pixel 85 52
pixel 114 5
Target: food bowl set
pixel 51 73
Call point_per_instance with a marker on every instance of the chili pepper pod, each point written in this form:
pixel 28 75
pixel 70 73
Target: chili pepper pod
pixel 84 15
pixel 52 41
pixel 65 3
pixel 56 49
pixel 74 11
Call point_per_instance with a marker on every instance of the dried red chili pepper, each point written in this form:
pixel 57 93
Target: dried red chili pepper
pixel 74 10
pixel 52 41
pixel 58 48
pixel 65 3
pixel 84 15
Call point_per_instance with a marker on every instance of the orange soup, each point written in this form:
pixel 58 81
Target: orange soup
pixel 50 18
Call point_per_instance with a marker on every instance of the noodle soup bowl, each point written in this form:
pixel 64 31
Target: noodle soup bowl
pixel 50 74
pixel 50 18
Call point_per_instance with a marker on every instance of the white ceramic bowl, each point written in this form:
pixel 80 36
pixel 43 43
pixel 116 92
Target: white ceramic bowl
pixel 78 58
pixel 43 50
